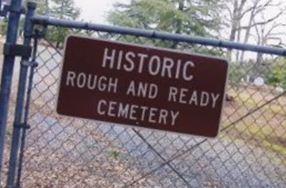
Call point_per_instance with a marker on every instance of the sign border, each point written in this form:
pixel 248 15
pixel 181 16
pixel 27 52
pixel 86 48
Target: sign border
pixel 137 125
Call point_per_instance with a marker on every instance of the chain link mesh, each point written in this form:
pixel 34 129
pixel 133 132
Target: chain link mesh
pixel 250 150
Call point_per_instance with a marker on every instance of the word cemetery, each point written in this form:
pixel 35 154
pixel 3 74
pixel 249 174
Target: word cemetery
pixel 142 86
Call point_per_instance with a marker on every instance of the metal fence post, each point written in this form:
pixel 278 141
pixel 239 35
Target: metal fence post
pixel 19 112
pixel 7 72
pixel 34 64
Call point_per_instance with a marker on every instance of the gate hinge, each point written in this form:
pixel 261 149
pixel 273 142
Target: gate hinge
pixel 17 50
pixel 22 126
pixel 9 8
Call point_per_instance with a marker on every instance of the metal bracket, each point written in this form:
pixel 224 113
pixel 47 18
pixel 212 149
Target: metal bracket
pixel 17 50
pixel 41 31
pixel 33 64
pixel 8 8
pixel 21 10
pixel 22 126
pixel 38 32
pixel 4 12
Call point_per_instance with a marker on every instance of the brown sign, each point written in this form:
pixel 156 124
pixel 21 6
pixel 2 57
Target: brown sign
pixel 142 86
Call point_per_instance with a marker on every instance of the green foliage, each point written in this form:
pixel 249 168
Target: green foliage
pixel 191 17
pixel 176 16
pixel 42 6
pixel 114 154
pixel 62 9
pixel 57 35
pixel 270 70
pixel 273 71
pixel 277 75
pixel 3 26
pixel 238 72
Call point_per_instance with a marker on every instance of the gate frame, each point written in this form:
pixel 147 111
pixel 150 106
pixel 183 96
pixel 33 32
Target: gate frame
pixel 23 94
pixel 20 124
pixel 15 11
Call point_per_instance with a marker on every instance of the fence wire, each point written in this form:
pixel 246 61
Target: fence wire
pixel 250 150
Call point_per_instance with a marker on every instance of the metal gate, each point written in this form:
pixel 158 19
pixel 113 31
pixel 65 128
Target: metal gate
pixel 49 150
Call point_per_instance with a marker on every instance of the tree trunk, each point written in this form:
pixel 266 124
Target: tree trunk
pixel 179 23
pixel 248 29
pixel 233 28
pixel 58 44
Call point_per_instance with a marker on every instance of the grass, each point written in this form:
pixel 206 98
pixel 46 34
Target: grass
pixel 265 128
pixel 278 109
pixel 251 99
pixel 114 154
pixel 267 139
pixel 275 147
pixel 264 137
pixel 258 139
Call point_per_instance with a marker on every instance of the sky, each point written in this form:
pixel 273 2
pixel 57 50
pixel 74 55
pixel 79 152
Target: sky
pixel 96 10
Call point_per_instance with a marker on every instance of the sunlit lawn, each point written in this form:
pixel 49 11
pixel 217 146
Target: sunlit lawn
pixel 264 128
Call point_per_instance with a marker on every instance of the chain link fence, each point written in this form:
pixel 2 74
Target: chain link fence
pixel 250 150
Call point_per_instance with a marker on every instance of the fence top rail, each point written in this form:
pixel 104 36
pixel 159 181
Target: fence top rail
pixel 44 20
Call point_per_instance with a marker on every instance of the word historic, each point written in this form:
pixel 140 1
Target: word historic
pixel 154 65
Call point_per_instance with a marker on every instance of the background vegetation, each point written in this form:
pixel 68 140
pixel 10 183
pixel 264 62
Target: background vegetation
pixel 245 21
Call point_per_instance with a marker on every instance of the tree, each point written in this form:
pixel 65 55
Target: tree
pixel 191 17
pixel 65 9
pixel 242 19
pixel 43 7
pixel 62 9
pixel 277 75
pixel 3 26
